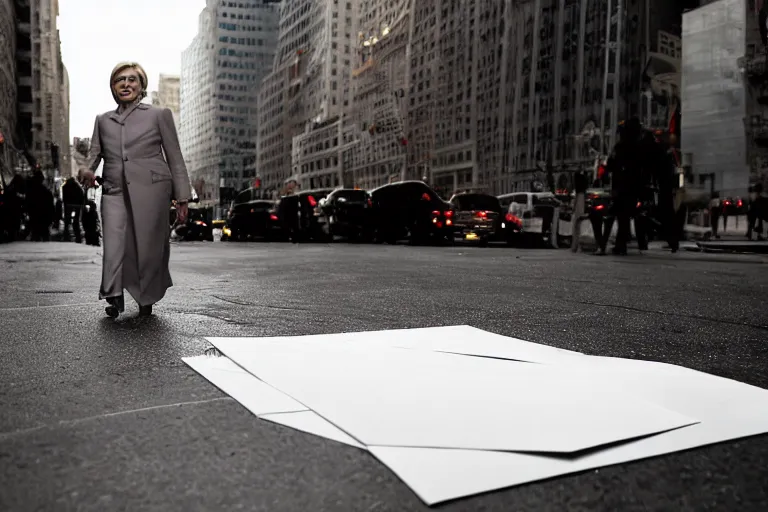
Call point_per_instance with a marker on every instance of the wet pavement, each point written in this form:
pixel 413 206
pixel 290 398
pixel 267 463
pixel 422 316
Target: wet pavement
pixel 103 415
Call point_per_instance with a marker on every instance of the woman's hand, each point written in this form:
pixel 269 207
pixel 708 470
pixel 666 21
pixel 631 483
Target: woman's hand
pixel 182 211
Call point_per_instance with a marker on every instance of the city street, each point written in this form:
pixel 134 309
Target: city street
pixel 103 415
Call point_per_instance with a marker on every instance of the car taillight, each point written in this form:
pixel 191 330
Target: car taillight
pixel 200 223
pixel 448 214
pixel 482 215
pixel 739 204
pixel 513 219
pixel 370 203
pixel 272 216
pixel 599 207
pixel 312 201
pixel 639 204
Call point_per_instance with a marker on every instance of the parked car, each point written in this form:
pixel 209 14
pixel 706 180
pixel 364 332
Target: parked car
pixel 535 212
pixel 412 210
pixel 301 217
pixel 197 227
pixel 478 217
pixel 347 212
pixel 256 218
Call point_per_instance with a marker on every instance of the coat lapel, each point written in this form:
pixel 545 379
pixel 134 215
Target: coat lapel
pixel 120 118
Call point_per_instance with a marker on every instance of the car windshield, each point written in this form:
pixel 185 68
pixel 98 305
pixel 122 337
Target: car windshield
pixel 260 205
pixel 351 195
pixel 477 202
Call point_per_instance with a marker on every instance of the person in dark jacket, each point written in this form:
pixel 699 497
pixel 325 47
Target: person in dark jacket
pixel 580 183
pixel 73 198
pixel 14 199
pixel 628 172
pixel 40 208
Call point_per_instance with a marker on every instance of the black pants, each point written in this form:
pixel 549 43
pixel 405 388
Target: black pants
pixel 714 222
pixel 754 222
pixel 73 220
pixel 623 209
pixel 669 221
pixel 41 230
pixel 599 223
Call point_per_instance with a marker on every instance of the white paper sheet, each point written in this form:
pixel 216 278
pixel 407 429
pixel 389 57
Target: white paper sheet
pixel 253 394
pixel 263 400
pixel 310 422
pixel 398 397
pixel 458 339
pixel 727 410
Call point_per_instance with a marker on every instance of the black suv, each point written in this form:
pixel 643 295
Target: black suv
pixel 411 209
pixel 347 212
pixel 478 217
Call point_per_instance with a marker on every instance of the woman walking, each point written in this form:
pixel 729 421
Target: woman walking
pixel 143 172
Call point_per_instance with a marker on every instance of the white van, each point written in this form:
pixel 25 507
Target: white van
pixel 535 209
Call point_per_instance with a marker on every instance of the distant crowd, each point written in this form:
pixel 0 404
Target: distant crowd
pixel 29 210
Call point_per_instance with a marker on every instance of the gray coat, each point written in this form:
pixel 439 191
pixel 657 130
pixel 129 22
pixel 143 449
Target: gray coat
pixel 143 171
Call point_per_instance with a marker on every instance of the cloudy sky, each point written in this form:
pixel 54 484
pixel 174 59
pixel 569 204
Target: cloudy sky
pixel 97 34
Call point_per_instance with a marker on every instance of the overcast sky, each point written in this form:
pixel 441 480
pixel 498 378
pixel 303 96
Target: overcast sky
pixel 97 34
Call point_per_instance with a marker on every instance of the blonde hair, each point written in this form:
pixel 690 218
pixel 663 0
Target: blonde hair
pixel 139 70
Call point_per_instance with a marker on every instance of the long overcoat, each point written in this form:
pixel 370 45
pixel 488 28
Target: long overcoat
pixel 143 171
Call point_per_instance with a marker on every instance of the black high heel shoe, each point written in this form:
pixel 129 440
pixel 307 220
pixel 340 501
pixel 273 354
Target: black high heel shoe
pixel 116 306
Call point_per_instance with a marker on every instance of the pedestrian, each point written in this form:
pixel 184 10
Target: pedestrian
pixel 580 183
pixel 14 199
pixel 662 166
pixel 715 207
pixel 138 186
pixel 73 198
pixel 626 166
pixel 754 211
pixel 40 208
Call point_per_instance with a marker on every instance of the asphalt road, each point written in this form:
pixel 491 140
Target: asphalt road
pixel 103 415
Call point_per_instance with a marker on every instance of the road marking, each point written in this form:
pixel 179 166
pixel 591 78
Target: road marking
pixel 23 308
pixel 69 423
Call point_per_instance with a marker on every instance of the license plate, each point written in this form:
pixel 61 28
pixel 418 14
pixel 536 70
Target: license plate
pixel 471 236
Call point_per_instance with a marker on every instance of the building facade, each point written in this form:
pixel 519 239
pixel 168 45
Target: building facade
pixel 719 123
pixel 374 128
pixel 304 97
pixel 167 95
pixel 197 110
pixel 221 73
pixel 8 87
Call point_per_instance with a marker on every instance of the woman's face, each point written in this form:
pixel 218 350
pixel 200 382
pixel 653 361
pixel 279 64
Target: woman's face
pixel 127 85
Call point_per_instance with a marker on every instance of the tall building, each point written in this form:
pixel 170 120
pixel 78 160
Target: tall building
pixel 198 110
pixel 373 135
pixel 221 73
pixel 50 85
pixel 304 97
pixel 8 113
pixel 167 95
pixel 27 81
pixel 35 88
pixel 724 113
pixel 316 157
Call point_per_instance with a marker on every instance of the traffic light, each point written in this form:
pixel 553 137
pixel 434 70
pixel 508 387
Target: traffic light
pixel 257 183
